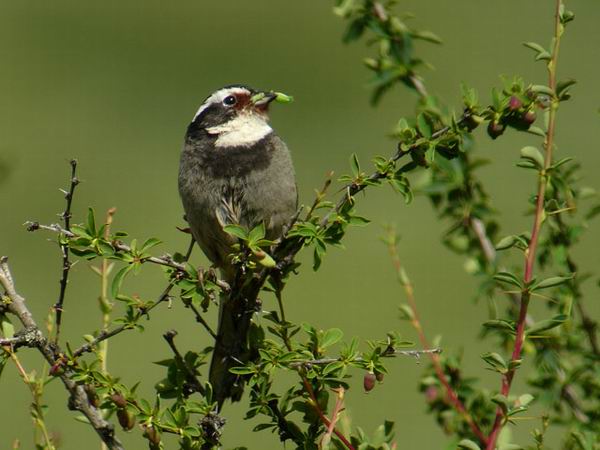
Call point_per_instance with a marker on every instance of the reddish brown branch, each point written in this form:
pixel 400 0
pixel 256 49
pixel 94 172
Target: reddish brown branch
pixel 322 416
pixel 535 233
pixel 435 357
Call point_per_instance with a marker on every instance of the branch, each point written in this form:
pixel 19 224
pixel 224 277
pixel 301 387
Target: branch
pixel 106 334
pixel 434 356
pixel 315 404
pixel 78 398
pixel 165 260
pixel 28 337
pixel 66 264
pixel 190 373
pixel 388 353
pixel 537 225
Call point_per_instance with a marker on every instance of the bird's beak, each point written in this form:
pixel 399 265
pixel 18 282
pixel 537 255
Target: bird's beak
pixel 261 100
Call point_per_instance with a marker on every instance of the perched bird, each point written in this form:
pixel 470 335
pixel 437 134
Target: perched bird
pixel 234 169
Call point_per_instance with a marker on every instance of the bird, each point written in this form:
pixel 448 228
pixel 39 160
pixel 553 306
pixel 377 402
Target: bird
pixel 234 170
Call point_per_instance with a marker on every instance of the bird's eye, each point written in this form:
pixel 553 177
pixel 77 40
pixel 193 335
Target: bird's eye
pixel 230 100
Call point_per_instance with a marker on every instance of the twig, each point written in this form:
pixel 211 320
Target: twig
pixel 388 353
pixel 434 356
pixel 315 404
pixel 66 264
pixel 335 416
pixel 78 400
pixel 105 334
pixel 35 387
pixel 200 319
pixel 28 337
pixel 105 304
pixel 300 369
pixel 507 378
pixel 165 260
pixel 190 373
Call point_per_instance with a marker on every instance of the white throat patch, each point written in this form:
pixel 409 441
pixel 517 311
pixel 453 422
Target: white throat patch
pixel 242 131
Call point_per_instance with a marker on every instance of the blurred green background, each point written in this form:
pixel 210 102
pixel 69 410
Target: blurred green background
pixel 115 84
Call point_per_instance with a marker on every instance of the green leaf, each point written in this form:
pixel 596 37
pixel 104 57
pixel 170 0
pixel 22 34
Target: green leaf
pixel 118 280
pixel 563 85
pixel 509 278
pixel 541 89
pixel 237 231
pixel 506 242
pixel 532 154
pixel 423 125
pixel 551 282
pixel 545 325
pixel 257 233
pixel 535 47
pixel 501 401
pixel 330 337
pixel 358 221
pixel 91 222
pixel 525 399
pixel 468 444
pixel 149 243
pixel 499 324
pixel 496 361
pixel 428 36
pixel 355 165
pixel 6 326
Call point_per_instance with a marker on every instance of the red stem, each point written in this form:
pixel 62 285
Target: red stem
pixel 537 225
pixel 322 416
pixel 435 359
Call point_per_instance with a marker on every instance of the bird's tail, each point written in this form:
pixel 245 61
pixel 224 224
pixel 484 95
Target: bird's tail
pixel 231 345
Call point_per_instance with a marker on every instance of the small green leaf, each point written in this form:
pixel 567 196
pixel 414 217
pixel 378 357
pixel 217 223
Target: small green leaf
pixel 237 231
pixel 118 280
pixel 496 361
pixel 506 242
pixel 149 243
pixel 91 222
pixel 551 282
pixel 423 125
pixel 354 164
pixel 509 278
pixel 428 36
pixel 330 337
pixel 534 155
pixel 545 325
pixel 535 47
pixel 257 233
pixel 8 329
pixel 467 444
pixel 541 89
pixel 358 221
pixel 525 399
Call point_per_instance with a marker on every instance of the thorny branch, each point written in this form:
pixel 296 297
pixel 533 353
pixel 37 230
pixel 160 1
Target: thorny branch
pixel 165 260
pixel 51 351
pixel 64 248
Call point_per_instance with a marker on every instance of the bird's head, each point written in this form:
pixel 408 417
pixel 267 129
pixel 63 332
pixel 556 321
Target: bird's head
pixel 236 115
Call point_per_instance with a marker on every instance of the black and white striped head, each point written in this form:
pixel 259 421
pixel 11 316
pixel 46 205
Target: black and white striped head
pixel 236 116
